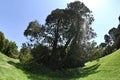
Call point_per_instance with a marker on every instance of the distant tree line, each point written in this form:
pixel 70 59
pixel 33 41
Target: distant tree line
pixel 112 40
pixel 7 47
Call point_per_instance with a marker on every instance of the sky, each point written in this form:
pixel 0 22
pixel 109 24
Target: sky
pixel 15 16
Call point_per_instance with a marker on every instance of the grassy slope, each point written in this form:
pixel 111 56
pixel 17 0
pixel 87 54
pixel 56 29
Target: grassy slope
pixel 107 68
pixel 11 69
pixel 8 71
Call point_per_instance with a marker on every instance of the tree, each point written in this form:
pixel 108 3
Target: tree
pixel 65 33
pixel 83 32
pixel 117 38
pixel 107 39
pixel 103 45
pixel 94 51
pixel 119 19
pixel 69 27
pixel 34 33
pixel 112 34
pixel 25 54
pixel 2 41
pixel 41 54
pixel 112 40
pixel 7 47
pixel 59 31
pixel 108 44
pixel 12 50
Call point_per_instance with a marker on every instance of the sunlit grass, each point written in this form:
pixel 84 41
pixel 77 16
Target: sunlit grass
pixel 106 68
pixel 10 72
pixel 109 68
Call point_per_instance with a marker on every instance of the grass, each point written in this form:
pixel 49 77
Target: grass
pixel 109 68
pixel 106 68
pixel 10 72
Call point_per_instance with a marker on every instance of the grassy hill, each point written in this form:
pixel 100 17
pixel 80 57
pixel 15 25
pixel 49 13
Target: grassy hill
pixel 9 71
pixel 106 68
pixel 109 68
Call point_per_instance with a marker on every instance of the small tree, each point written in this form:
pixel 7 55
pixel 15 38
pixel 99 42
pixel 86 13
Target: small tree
pixel 25 54
pixel 12 50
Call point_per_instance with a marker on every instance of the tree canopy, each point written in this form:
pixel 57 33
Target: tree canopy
pixel 7 47
pixel 65 34
pixel 112 40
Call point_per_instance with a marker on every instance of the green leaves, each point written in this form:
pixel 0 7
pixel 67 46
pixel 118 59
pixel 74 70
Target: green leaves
pixel 2 41
pixel 63 33
pixel 34 32
pixel 7 47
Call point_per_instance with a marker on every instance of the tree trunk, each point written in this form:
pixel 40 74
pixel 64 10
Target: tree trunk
pixel 54 57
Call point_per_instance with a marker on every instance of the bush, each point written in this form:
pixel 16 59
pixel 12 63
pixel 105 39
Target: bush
pixel 41 54
pixel 25 55
pixel 25 58
pixel 12 50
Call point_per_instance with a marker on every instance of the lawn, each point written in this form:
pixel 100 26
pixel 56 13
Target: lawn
pixel 106 68
pixel 109 68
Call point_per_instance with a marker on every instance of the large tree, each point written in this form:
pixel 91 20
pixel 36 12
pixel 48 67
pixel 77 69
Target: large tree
pixel 69 27
pixel 66 33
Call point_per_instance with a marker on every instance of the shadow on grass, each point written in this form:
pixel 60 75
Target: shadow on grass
pixel 37 72
pixel 89 70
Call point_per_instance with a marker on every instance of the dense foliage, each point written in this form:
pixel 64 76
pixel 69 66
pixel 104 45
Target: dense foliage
pixel 112 40
pixel 63 40
pixel 7 47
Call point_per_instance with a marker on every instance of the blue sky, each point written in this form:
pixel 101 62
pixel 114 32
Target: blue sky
pixel 16 14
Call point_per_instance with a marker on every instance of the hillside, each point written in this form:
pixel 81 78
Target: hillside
pixel 109 68
pixel 8 70
pixel 106 68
